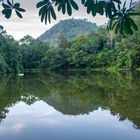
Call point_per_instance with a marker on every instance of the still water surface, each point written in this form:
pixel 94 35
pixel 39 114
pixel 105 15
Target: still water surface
pixel 99 106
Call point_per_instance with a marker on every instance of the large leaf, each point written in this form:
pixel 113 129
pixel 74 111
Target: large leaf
pixel 9 7
pixel 122 21
pixel 46 11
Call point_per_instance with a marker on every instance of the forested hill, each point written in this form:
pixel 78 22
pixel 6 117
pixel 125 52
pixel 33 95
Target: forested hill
pixel 71 28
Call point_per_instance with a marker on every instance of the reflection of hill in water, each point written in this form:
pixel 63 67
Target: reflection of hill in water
pixel 75 95
pixel 70 105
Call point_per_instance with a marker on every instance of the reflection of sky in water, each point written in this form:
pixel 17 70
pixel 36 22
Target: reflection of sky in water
pixel 41 122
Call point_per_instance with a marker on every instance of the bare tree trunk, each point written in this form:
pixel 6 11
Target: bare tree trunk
pixel 111 39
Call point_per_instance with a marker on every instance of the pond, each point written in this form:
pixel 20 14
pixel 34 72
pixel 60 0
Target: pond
pixel 71 106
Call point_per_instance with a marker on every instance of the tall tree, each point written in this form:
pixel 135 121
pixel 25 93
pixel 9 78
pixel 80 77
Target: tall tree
pixel 63 41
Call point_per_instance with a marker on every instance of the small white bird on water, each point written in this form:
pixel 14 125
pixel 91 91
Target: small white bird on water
pixel 21 74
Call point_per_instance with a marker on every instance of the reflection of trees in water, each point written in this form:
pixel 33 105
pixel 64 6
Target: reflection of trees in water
pixel 77 94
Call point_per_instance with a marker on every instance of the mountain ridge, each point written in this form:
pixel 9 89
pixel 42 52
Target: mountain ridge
pixel 71 28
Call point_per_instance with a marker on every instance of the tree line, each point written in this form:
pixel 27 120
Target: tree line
pixel 98 50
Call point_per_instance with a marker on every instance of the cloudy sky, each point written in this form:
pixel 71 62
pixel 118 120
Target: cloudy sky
pixel 31 24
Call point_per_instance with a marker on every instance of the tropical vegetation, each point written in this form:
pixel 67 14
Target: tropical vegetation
pixel 97 50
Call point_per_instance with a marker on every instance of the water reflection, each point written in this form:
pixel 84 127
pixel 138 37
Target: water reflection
pixel 72 95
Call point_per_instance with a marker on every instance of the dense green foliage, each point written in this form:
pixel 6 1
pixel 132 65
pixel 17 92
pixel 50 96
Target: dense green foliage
pixel 97 50
pixel 120 16
pixel 9 55
pixel 71 28
pixel 32 52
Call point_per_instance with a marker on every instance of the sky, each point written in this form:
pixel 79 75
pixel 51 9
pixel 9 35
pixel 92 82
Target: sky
pixel 31 24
